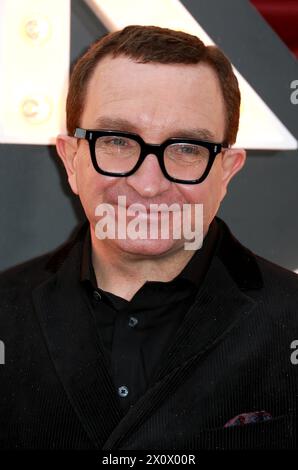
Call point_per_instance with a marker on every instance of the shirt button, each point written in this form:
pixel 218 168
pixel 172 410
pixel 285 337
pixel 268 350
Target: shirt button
pixel 123 391
pixel 133 321
pixel 96 296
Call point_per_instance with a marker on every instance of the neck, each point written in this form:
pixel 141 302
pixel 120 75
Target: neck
pixel 123 273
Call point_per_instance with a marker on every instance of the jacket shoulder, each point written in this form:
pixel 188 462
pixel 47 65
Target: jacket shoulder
pixel 250 270
pixel 37 269
pixel 25 272
pixel 278 278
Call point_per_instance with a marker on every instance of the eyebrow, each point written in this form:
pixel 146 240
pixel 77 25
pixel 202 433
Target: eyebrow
pixel 120 124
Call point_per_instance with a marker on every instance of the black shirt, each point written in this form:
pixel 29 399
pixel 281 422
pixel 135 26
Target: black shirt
pixel 136 333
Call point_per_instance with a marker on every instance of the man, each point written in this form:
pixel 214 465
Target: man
pixel 139 343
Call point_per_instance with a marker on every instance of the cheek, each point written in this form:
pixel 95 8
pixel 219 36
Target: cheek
pixel 202 193
pixel 92 186
pixel 207 193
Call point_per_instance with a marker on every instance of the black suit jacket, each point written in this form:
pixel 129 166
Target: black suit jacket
pixel 231 356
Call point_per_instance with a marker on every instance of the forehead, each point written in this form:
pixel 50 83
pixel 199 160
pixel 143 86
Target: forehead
pixel 155 96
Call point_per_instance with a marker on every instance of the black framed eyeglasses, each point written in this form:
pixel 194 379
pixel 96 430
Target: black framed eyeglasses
pixel 119 153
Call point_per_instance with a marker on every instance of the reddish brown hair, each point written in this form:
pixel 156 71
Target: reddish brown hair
pixel 154 44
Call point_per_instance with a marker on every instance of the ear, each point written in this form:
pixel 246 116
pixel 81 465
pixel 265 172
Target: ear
pixel 233 160
pixel 67 150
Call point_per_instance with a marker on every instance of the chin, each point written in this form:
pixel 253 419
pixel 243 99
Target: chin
pixel 147 247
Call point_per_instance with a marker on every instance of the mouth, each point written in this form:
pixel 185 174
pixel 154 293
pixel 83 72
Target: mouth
pixel 151 208
pixel 146 212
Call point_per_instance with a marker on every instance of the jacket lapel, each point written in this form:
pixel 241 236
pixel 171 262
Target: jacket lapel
pixel 78 354
pixel 76 349
pixel 219 306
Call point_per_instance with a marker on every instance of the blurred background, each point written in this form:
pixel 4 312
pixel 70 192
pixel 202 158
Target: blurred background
pixel 37 209
pixel 282 16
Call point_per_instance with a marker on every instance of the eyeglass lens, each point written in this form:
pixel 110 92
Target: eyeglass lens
pixel 117 154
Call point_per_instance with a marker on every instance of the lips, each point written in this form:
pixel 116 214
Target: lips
pixel 147 211
pixel 146 207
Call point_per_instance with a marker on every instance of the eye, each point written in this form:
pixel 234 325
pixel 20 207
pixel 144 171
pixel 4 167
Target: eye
pixel 117 141
pixel 188 149
pixel 112 143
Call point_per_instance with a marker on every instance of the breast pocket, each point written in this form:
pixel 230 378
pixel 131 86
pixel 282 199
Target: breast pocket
pixel 278 433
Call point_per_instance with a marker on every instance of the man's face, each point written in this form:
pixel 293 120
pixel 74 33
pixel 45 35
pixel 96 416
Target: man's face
pixel 157 102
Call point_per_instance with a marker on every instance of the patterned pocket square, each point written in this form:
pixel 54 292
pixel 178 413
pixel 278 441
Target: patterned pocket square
pixel 246 418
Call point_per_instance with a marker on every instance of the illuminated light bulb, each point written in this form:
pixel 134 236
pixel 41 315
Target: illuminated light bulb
pixel 36 110
pixel 37 29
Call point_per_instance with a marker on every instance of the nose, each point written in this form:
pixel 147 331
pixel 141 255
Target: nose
pixel 149 180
